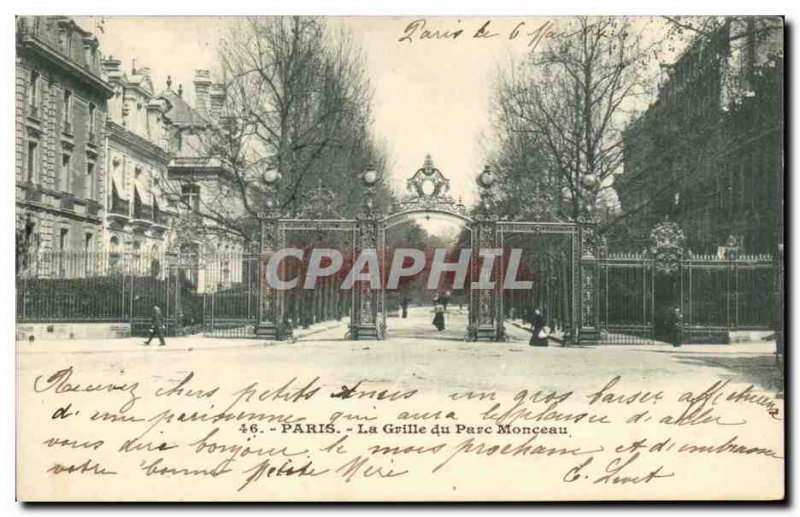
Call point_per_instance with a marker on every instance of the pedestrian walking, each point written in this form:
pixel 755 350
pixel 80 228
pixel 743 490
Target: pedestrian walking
pixel 538 337
pixel 438 318
pixel 156 327
pixel 445 299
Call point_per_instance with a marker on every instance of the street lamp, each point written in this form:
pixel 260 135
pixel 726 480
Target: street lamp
pixel 590 182
pixel 370 176
pixel 271 176
pixel 486 178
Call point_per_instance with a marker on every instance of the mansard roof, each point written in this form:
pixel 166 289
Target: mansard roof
pixel 182 114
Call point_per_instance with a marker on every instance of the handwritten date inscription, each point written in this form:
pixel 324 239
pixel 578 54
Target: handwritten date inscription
pixel 265 438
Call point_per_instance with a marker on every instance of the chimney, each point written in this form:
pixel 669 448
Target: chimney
pixel 111 65
pixel 217 99
pixel 202 83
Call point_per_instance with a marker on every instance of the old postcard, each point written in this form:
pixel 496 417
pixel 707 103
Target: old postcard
pixel 399 258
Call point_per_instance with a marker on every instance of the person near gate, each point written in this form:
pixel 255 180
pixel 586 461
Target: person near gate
pixel 539 338
pixel 157 327
pixel 404 306
pixel 438 317
pixel 675 319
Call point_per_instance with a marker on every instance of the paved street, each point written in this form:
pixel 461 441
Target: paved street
pixel 417 359
pixel 416 352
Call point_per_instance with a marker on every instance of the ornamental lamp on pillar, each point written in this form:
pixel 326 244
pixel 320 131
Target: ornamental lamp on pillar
pixel 590 184
pixel 370 178
pixel 270 177
pixel 486 180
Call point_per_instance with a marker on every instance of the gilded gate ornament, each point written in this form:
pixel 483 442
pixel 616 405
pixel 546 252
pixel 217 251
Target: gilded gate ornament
pixel 428 190
pixel 667 246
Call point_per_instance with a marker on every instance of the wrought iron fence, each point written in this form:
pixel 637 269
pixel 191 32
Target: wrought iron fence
pixel 218 294
pixel 715 295
pixel 97 287
pixel 722 295
pixel 626 302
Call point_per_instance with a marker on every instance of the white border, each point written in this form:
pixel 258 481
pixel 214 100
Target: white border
pixel 341 7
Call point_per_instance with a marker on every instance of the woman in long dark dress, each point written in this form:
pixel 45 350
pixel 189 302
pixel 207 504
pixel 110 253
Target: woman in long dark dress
pixel 438 318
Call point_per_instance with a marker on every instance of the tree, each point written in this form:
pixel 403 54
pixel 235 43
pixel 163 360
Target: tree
pixel 295 100
pixel 559 117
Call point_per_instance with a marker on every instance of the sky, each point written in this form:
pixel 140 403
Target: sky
pixel 430 95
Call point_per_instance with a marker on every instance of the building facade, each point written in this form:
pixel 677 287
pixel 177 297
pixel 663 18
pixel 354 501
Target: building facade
pixel 60 110
pixel 139 212
pixel 707 154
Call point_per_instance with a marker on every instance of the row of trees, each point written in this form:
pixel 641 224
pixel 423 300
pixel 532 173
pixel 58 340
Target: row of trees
pixel 559 116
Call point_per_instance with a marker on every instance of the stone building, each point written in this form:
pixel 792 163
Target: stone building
pixel 201 183
pixel 708 152
pixel 140 213
pixel 60 110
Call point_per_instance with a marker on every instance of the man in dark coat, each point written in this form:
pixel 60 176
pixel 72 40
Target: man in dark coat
pixel 157 327
pixel 675 320
pixel 538 323
pixel 404 306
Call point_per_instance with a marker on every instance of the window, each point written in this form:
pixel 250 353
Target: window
pixel 90 180
pixel 88 249
pixel 63 241
pixel 115 257
pixel 190 196
pixel 66 166
pixel 33 161
pixel 92 111
pixel 33 94
pixel 137 171
pixel 67 111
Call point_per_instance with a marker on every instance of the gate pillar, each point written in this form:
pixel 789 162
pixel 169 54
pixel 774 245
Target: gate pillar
pixel 270 322
pixel 485 305
pixel 587 311
pixel 365 318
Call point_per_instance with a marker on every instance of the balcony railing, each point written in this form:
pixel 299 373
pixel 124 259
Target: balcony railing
pixel 92 208
pixel 143 212
pixel 67 202
pixel 33 193
pixel 160 218
pixel 120 207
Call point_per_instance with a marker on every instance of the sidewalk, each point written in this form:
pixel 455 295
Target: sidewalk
pixel 174 344
pixel 748 347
